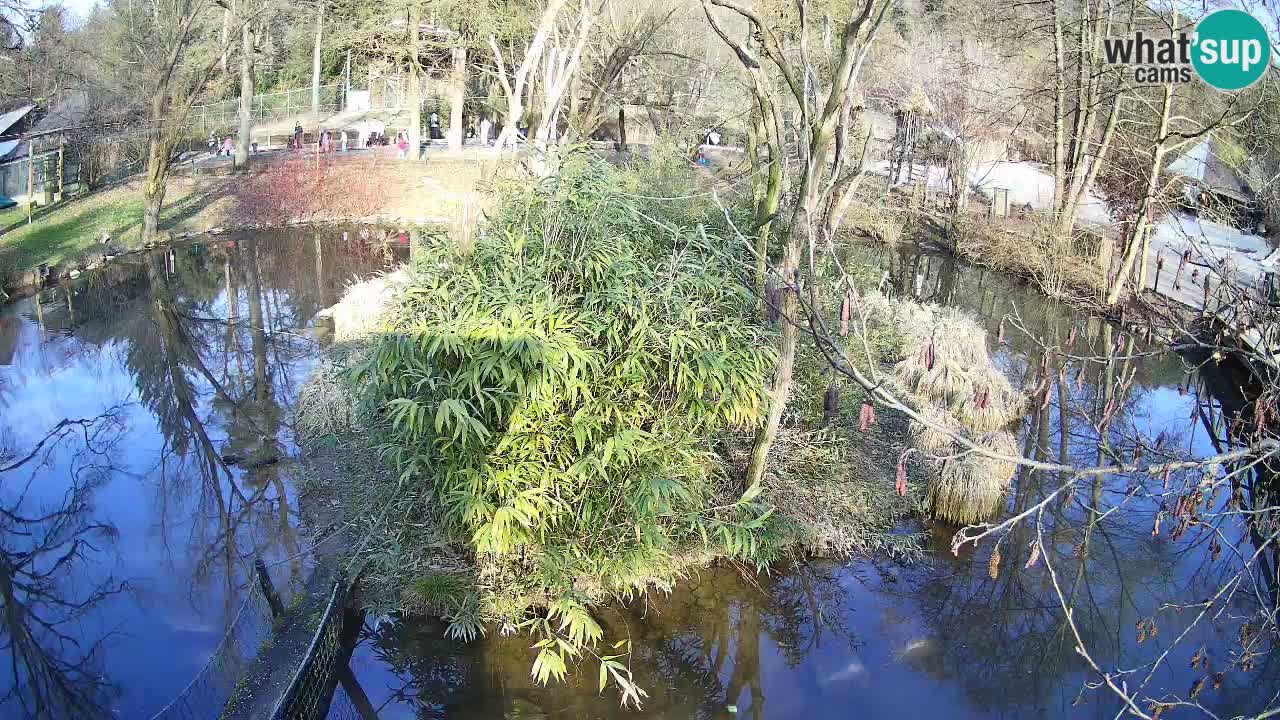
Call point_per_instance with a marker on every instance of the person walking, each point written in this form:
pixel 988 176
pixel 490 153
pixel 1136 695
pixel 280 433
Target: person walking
pixel 297 135
pixel 402 143
pixel 485 126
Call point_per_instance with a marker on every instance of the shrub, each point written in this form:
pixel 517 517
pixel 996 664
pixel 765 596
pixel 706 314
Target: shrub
pixel 559 391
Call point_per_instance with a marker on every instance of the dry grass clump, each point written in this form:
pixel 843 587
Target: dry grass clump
pixel 946 365
pixel 1030 247
pixel 327 404
pixel 969 488
pixel 363 309
pixel 945 371
pixel 880 222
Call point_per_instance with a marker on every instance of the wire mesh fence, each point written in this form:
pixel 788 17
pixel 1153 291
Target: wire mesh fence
pixel 311 690
pixel 207 693
pixel 224 116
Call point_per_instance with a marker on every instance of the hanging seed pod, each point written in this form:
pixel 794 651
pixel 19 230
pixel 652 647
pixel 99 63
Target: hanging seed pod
pixel 1048 393
pixel 1071 336
pixel 867 417
pixel 1197 686
pixel 982 398
pixel 1035 555
pixel 831 402
pixel 1218 679
pixel 1080 380
pixel 1195 659
pixel 993 565
pixel 1142 631
pixel 1167 471
pixel 900 485
pixel 1000 337
pixel 844 316
pixel 930 355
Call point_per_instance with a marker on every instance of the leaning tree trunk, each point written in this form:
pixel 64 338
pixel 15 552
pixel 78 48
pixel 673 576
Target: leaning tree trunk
pixel 154 187
pixel 1138 235
pixel 780 391
pixel 246 96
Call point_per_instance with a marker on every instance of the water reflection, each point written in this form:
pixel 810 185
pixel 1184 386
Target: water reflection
pixel 958 636
pixel 127 542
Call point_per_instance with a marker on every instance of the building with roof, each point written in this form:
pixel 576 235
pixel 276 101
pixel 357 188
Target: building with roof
pixel 1212 184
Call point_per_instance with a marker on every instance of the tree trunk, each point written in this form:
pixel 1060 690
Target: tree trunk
pixel 1059 110
pixel 246 96
pixel 154 188
pixel 226 36
pixel 457 96
pixel 315 64
pixel 782 374
pixel 414 95
pixel 1138 234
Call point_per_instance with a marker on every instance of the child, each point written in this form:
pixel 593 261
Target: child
pixel 402 142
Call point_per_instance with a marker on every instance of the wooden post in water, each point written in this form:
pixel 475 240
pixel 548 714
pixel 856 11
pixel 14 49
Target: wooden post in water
pixel 268 590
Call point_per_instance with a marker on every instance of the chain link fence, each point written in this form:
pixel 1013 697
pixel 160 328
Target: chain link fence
pixel 224 116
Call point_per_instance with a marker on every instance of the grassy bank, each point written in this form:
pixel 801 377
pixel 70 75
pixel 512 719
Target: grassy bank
pixel 60 235
pixel 277 192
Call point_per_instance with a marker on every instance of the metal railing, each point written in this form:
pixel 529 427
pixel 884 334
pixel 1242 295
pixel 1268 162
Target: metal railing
pixel 311 689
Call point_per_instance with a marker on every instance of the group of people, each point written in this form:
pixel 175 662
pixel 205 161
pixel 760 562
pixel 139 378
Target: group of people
pixel 223 146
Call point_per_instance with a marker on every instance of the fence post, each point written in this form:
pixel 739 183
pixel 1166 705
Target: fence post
pixel 61 146
pixel 31 177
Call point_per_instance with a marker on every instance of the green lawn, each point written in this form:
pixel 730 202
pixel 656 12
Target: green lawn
pixel 65 232
pixel 12 215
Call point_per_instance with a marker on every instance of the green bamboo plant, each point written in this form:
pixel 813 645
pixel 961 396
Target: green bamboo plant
pixel 561 391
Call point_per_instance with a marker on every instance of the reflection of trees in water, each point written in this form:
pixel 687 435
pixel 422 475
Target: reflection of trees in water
pixel 696 651
pixel 1097 411
pixel 48 553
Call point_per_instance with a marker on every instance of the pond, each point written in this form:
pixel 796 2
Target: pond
pixel 144 442
pixel 147 461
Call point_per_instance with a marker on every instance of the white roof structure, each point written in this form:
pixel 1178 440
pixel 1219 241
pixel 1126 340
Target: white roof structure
pixel 8 119
pixel 1202 165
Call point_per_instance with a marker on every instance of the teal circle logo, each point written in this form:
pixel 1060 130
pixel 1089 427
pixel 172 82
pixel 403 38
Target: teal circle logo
pixel 1232 49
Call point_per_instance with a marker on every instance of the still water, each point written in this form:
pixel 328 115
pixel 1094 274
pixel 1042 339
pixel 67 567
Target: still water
pixel 145 413
pixel 147 461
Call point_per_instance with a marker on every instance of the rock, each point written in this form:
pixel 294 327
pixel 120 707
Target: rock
pixel 73 274
pixel 522 709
